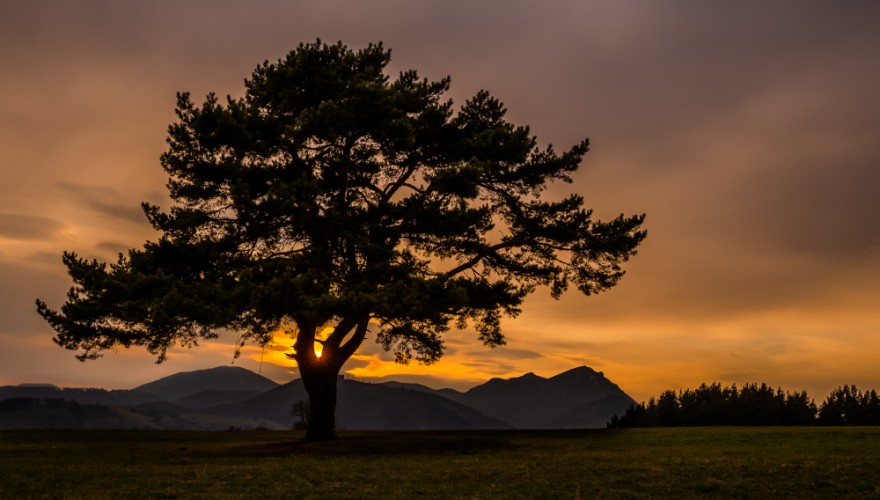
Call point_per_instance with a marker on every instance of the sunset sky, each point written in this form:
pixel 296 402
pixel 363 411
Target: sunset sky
pixel 748 132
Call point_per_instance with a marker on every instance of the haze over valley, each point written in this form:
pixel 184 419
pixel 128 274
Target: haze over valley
pixel 231 397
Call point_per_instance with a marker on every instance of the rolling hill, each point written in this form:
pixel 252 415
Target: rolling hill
pixel 578 398
pixel 232 397
pixel 222 378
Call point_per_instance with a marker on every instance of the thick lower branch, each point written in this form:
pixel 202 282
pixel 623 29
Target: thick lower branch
pixel 304 346
pixel 351 346
pixel 339 332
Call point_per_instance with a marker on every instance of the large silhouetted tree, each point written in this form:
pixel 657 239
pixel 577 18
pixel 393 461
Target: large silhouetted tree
pixel 335 201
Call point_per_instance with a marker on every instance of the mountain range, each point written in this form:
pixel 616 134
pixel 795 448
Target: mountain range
pixel 231 397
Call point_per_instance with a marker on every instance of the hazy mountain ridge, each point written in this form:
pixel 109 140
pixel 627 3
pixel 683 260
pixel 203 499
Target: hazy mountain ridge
pixel 362 405
pixel 212 398
pixel 378 406
pixel 221 378
pixel 534 402
pixel 91 396
pixel 232 397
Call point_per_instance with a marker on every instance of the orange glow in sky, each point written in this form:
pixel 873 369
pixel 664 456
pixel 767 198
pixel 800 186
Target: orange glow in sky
pixel 751 146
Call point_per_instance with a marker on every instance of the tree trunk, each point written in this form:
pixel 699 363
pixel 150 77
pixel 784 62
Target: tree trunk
pixel 320 374
pixel 320 384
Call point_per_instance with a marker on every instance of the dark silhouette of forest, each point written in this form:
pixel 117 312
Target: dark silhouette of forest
pixel 752 404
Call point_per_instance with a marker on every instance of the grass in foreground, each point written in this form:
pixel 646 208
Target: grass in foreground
pixel 631 463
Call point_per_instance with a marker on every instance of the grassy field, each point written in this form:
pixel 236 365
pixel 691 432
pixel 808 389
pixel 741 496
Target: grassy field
pixel 632 463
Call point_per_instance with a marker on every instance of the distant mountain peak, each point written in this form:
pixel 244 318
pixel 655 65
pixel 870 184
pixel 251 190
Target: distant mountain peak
pixel 525 377
pixel 579 372
pixel 579 397
pixel 43 386
pixel 220 378
pixel 231 396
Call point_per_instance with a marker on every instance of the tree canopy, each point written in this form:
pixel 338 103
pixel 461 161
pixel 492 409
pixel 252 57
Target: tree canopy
pixel 333 200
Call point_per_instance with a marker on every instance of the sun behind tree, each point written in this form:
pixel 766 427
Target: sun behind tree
pixel 333 196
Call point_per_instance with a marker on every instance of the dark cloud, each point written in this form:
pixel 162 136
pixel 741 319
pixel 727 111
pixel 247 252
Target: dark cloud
pixel 105 201
pixel 354 363
pixel 583 361
pixel 44 257
pixel 112 246
pixel 492 368
pixel 505 353
pixel 370 347
pixel 27 227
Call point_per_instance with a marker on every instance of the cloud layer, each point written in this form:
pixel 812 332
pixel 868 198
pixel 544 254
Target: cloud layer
pixel 747 133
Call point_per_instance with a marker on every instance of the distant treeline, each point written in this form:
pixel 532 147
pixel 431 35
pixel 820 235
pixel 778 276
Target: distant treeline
pixel 753 404
pixel 53 413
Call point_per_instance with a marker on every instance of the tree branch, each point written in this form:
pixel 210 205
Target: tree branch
pixel 288 252
pixel 400 182
pixel 334 340
pixel 304 346
pixel 346 164
pixel 350 347
pixel 480 256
